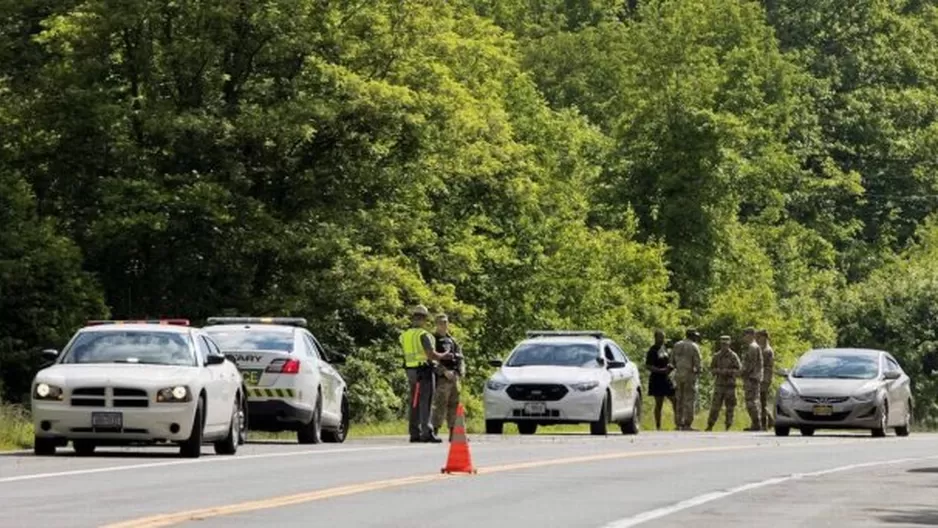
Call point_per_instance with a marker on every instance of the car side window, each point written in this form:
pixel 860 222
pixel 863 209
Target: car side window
pixel 608 353
pixel 892 365
pixel 619 354
pixel 320 351
pixel 310 347
pixel 201 349
pixel 212 347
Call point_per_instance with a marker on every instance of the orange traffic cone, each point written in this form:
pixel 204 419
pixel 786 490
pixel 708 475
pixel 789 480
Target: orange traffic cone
pixel 459 460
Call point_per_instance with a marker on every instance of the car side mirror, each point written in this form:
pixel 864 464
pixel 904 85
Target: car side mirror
pixel 783 372
pixel 215 360
pixel 495 363
pixel 50 354
pixel 892 375
pixel 615 364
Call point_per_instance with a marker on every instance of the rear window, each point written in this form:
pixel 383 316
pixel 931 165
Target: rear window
pixel 230 340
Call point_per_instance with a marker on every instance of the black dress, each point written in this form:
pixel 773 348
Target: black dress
pixel 659 383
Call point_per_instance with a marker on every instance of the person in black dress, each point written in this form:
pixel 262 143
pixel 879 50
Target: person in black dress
pixel 660 386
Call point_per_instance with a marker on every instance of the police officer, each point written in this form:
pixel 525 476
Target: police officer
pixel 752 377
pixel 725 367
pixel 419 358
pixel 448 373
pixel 685 356
pixel 768 369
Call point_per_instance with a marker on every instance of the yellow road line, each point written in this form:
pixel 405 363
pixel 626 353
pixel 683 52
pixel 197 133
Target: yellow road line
pixel 159 521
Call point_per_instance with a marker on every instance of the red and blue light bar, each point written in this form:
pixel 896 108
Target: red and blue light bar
pixel 176 322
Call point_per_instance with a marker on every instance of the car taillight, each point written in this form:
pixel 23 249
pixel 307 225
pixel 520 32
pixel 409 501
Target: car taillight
pixel 284 366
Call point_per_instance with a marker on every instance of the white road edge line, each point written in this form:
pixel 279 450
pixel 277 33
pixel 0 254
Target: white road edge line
pixel 109 469
pixel 658 513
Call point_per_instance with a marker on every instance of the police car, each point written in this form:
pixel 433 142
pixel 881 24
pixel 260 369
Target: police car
pixel 138 382
pixel 564 377
pixel 291 384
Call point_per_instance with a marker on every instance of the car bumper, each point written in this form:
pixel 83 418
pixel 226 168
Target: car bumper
pixel 276 415
pixel 154 423
pixel 574 407
pixel 848 415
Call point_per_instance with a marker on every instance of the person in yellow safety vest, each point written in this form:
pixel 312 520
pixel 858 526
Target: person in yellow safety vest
pixel 420 356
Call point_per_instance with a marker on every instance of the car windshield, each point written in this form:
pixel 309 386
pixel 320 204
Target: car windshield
pixel 838 366
pixel 243 339
pixel 131 346
pixel 555 354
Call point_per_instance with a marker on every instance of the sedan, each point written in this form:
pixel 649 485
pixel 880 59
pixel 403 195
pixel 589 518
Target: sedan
pixel 844 388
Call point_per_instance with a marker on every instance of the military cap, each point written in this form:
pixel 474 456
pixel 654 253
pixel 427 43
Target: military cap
pixel 692 332
pixel 725 338
pixel 763 332
pixel 441 317
pixel 420 310
pixel 749 330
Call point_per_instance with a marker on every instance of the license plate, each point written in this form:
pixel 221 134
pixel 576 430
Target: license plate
pixel 252 377
pixel 535 408
pixel 823 410
pixel 107 420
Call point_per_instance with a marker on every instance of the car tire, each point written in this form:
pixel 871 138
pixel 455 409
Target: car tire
pixel 337 436
pixel 243 433
pixel 43 446
pixel 527 428
pixel 83 447
pixel 494 427
pixel 229 445
pixel 807 431
pixel 634 424
pixel 192 447
pixel 880 432
pixel 311 433
pixel 600 426
pixel 782 430
pixel 903 430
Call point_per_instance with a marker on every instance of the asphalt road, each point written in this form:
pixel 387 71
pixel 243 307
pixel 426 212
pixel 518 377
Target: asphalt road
pixel 654 479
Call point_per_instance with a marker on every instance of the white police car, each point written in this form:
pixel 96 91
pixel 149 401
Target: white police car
pixel 138 382
pixel 290 383
pixel 558 377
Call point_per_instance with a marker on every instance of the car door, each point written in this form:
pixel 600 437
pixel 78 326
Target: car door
pixel 899 391
pixel 211 382
pixel 229 374
pixel 617 381
pixel 331 377
pixel 309 377
pixel 630 379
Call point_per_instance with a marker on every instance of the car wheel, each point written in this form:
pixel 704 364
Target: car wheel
pixel 337 436
pixel 192 447
pixel 527 428
pixel 903 430
pixel 634 424
pixel 599 427
pixel 243 420
pixel 229 445
pixel 43 446
pixel 311 433
pixel 494 427
pixel 807 431
pixel 83 447
pixel 781 430
pixel 880 431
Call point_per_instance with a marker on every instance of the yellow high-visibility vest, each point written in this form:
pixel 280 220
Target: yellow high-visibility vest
pixel 414 356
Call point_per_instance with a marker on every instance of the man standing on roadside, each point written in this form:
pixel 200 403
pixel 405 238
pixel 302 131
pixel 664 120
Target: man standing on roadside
pixel 752 377
pixel 725 367
pixel 685 357
pixel 419 356
pixel 768 370
pixel 448 373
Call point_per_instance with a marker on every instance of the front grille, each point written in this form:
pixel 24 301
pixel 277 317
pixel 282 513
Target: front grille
pixel 125 430
pixel 823 400
pixel 87 402
pixel 536 392
pixel 89 391
pixel 88 397
pixel 835 417
pixel 121 397
pixel 118 392
pixel 124 397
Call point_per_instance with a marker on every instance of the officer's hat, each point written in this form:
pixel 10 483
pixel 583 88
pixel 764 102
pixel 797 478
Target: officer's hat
pixel 442 318
pixel 420 310
pixel 725 338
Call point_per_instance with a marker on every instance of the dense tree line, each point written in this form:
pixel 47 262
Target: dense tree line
pixel 611 164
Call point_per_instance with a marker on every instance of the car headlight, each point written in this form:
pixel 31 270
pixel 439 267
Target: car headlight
pixel 175 394
pixel 585 386
pixel 865 396
pixel 495 385
pixel 785 392
pixel 44 391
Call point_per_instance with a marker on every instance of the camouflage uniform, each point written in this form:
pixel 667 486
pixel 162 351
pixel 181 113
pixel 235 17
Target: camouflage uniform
pixel 768 369
pixel 685 356
pixel 725 366
pixel 752 379
pixel 446 397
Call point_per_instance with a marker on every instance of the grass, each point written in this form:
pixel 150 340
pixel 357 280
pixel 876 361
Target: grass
pixel 16 430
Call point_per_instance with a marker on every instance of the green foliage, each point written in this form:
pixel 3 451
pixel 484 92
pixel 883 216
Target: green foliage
pixel 16 430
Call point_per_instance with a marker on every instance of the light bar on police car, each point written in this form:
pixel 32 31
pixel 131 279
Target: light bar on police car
pixel 176 322
pixel 563 333
pixel 291 321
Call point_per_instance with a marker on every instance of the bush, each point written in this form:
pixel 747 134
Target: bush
pixel 16 429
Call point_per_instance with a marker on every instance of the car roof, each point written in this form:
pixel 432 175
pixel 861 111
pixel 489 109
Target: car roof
pixel 846 351
pixel 252 326
pixel 165 328
pixel 560 340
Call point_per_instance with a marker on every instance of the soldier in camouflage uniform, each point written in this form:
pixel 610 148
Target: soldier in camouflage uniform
pixel 768 370
pixel 685 356
pixel 725 367
pixel 752 377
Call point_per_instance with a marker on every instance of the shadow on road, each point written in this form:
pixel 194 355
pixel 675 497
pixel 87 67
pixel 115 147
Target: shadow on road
pixel 924 470
pixel 918 516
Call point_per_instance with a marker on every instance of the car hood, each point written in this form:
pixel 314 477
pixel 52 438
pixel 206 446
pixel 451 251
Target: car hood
pixel 831 387
pixel 109 374
pixel 547 374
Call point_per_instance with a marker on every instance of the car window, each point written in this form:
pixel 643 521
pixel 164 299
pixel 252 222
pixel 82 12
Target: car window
pixel 555 354
pixel 892 365
pixel 202 348
pixel 837 366
pixel 211 346
pixel 320 351
pixel 252 338
pixel 619 354
pixel 607 350
pixel 130 346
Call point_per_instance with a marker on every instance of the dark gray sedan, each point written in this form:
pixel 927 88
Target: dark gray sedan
pixel 844 388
